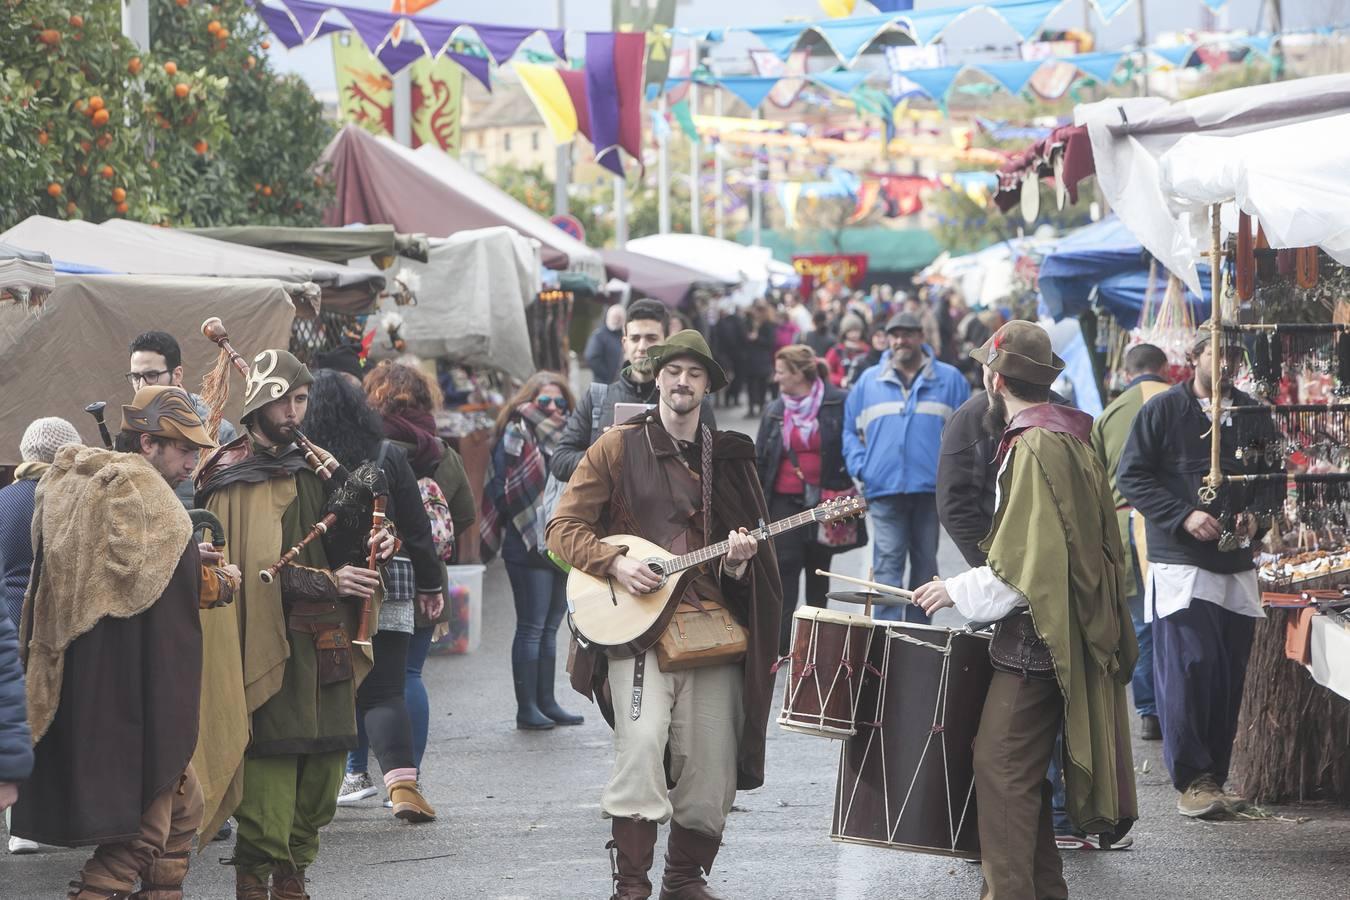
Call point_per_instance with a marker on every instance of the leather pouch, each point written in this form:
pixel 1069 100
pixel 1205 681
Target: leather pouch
pixel 703 635
pixel 1018 649
pixel 334 652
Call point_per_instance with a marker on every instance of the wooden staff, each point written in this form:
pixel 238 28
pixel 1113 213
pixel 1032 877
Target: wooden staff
pixel 376 529
pixel 320 460
pixel 269 574
pixel 874 585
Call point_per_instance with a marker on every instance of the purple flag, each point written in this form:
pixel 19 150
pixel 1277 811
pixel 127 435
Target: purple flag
pixel 602 98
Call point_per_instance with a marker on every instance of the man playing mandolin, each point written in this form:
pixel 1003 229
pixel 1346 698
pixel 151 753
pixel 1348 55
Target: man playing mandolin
pixel 678 484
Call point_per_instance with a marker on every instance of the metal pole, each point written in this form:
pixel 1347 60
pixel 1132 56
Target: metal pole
pixel 136 22
pixel 695 154
pixel 403 107
pixel 1143 43
pixel 620 212
pixel 663 177
pixel 1215 478
pixel 719 174
pixel 756 194
pixel 562 159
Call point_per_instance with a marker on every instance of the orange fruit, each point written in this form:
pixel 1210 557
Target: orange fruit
pixel 171 68
pixel 265 44
pixel 182 3
pixel 86 146
pixel 83 170
pixel 212 27
pixel 71 208
pixel 122 208
pixel 257 186
pixel 134 67
pixel 106 171
pixel 180 90
pixel 100 118
pixel 222 33
pixel 96 103
pixel 267 190
pixel 53 190
pixel 251 61
pixel 201 147
pixel 43 138
pixel 79 105
pixel 49 36
pixel 76 22
pixel 104 139
pixel 118 195
pixel 154 164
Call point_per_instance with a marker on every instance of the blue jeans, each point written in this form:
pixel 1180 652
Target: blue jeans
pixel 1059 796
pixel 1141 685
pixel 541 600
pixel 904 528
pixel 414 696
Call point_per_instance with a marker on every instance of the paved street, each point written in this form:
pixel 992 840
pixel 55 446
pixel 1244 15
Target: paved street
pixel 520 819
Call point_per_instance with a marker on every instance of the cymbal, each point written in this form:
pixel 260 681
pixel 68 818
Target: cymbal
pixel 862 598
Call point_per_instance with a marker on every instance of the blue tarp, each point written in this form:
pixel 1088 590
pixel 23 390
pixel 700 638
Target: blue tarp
pixel 1105 256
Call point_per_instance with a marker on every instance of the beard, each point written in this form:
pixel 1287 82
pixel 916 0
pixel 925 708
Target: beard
pixel 995 418
pixel 680 401
pixel 279 433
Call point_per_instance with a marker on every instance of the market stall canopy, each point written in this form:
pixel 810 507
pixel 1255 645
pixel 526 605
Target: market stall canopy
pixel 986 278
pixel 669 282
pixel 886 249
pixel 131 248
pixel 380 181
pixel 25 274
pixel 1129 136
pixel 1293 180
pixel 471 297
pixel 753 268
pixel 1107 258
pixel 75 352
pixel 339 245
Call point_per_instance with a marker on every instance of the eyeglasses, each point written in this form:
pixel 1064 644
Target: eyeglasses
pixel 150 377
pixel 546 401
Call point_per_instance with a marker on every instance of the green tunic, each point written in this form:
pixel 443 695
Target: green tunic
pixel 1055 541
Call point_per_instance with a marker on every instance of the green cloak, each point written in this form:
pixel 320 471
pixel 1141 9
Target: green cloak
pixel 1055 541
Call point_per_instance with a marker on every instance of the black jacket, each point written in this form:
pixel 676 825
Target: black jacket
pixel 16 745
pixel 830 421
pixel 967 479
pixel 578 434
pixel 404 508
pixel 1164 463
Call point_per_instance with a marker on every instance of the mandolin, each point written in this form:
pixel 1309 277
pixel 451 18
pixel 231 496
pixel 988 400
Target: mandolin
pixel 605 614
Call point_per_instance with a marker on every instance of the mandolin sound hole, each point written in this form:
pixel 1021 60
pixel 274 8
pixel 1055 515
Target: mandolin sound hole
pixel 656 568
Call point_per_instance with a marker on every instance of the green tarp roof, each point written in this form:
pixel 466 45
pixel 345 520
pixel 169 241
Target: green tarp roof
pixel 887 249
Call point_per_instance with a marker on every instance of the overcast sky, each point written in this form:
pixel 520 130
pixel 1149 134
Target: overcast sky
pixel 315 62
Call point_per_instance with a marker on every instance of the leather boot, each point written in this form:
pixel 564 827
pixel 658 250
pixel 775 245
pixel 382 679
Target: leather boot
pixel 288 883
pixel 632 849
pixel 409 804
pixel 528 716
pixel 249 887
pixel 81 891
pixel 164 879
pixel 548 704
pixel 689 856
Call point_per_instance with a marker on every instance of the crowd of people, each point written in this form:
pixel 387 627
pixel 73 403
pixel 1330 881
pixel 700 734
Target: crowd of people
pixel 278 688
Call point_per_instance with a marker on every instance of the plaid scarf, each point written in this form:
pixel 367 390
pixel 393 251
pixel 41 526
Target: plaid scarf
pixel 528 440
pixel 799 413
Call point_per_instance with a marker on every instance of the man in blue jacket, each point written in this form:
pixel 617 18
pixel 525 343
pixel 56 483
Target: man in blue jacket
pixel 893 423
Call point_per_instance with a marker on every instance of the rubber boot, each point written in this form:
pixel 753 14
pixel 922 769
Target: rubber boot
pixel 528 716
pixel 631 852
pixel 164 879
pixel 248 886
pixel 548 704
pixel 689 856
pixel 288 883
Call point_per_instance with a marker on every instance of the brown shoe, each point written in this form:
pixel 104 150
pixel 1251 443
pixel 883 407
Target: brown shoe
pixel 249 887
pixel 164 879
pixel 288 883
pixel 81 891
pixel 631 853
pixel 409 804
pixel 689 856
pixel 1202 799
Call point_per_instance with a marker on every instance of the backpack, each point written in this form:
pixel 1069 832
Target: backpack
pixel 438 514
pixel 599 394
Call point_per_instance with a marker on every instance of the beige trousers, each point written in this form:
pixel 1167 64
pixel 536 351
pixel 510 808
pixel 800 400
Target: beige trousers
pixel 698 713
pixel 168 825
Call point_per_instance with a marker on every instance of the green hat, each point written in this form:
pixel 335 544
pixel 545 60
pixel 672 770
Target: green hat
pixel 688 343
pixel 273 375
pixel 1020 350
pixel 1227 339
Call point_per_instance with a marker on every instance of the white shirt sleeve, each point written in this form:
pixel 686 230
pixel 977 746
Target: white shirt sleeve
pixel 981 596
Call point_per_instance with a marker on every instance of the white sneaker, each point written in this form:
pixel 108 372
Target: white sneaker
pixel 19 846
pixel 356 786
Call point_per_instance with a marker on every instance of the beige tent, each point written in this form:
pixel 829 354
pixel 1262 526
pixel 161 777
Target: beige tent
pixel 74 350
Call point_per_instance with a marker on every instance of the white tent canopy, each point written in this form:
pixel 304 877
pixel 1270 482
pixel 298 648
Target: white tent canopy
pixel 1128 137
pixel 1292 179
pixel 753 268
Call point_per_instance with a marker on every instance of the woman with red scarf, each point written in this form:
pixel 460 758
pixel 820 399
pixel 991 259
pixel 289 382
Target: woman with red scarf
pixel 800 450
pixel 513 520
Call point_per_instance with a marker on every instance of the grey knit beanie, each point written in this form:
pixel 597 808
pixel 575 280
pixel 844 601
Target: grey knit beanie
pixel 44 437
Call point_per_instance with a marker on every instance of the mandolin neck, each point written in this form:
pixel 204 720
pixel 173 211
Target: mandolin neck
pixel 718 550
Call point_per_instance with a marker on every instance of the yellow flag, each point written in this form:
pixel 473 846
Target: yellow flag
pixel 838 9
pixel 546 90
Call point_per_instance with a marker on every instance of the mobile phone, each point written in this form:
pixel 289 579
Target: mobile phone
pixel 625 411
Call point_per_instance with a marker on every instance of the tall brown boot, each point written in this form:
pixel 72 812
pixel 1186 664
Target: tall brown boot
pixel 689 856
pixel 164 879
pixel 288 883
pixel 81 891
pixel 632 848
pixel 248 886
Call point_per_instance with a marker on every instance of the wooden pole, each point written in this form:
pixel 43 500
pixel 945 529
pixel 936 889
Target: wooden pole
pixel 1215 477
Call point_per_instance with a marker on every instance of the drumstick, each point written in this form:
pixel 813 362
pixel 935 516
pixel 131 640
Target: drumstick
pixel 867 608
pixel 874 585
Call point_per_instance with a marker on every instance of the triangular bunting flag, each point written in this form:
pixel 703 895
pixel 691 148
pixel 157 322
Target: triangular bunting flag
pixel 781 39
pixel 1261 43
pixel 934 82
pixel 849 37
pixel 750 89
pixel 842 81
pixel 1101 66
pixel 1177 56
pixel 1013 75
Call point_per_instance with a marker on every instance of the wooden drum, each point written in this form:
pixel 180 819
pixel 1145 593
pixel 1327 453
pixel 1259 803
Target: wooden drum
pixel 826 669
pixel 908 782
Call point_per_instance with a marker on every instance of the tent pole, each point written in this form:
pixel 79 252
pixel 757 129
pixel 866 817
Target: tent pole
pixel 756 192
pixel 136 22
pixel 1215 477
pixel 663 176
pixel 562 159
pixel 620 212
pixel 403 107
pixel 719 173
pixel 1143 42
pixel 695 161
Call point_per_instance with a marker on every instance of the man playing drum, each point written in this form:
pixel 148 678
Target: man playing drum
pixel 1063 648
pixel 677 483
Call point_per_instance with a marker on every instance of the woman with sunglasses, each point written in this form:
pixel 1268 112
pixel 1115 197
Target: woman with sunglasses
pixel 512 522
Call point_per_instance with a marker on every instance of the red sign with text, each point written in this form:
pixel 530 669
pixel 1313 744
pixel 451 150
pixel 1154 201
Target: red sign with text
pixel 820 269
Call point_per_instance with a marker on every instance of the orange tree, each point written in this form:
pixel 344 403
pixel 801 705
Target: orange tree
pixel 199 130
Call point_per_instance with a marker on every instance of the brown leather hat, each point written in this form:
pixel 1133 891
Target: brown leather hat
pixel 1021 350
pixel 166 411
